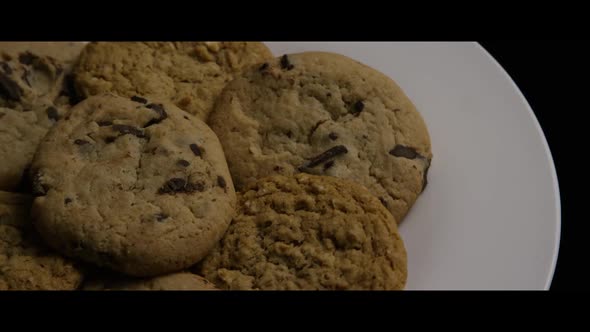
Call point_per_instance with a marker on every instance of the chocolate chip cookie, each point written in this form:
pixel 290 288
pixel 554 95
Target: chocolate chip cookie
pixel 190 74
pixel 308 232
pixel 25 262
pixel 324 114
pixel 131 184
pixel 171 282
pixel 66 52
pixel 31 101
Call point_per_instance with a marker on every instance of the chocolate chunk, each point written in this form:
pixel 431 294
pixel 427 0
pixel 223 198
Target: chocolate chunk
pixel 264 66
pixel 125 129
pixel 25 77
pixel 110 139
pixel 161 216
pixel 27 58
pixel 67 200
pixel 183 163
pixel 10 88
pixel 221 183
pixel 6 68
pixel 196 150
pixel 383 201
pixel 104 123
pixel 278 168
pixel 290 134
pixel 52 113
pixel 358 107
pixel 38 187
pixel 328 165
pixel 328 94
pixel 333 136
pixel 285 63
pixel 172 186
pixel 186 117
pixel 159 108
pixel 2 115
pixel 404 152
pixel 138 99
pixel 81 142
pixel 178 185
pixel 325 156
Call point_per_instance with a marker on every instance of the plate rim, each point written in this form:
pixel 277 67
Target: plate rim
pixel 553 171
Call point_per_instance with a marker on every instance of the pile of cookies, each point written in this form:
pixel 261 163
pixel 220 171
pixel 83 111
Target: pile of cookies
pixel 202 166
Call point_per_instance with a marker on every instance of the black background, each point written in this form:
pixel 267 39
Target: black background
pixel 553 76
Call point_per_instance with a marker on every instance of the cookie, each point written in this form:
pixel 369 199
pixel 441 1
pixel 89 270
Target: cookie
pixel 132 185
pixel 30 104
pixel 172 282
pixel 324 114
pixel 28 78
pixel 25 262
pixel 20 134
pixel 66 52
pixel 190 74
pixel 308 232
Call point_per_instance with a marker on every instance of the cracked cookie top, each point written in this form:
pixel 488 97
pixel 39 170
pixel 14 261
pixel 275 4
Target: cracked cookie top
pixel 189 74
pixel 324 114
pixel 308 232
pixel 131 184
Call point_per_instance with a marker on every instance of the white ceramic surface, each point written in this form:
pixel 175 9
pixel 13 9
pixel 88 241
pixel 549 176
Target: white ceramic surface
pixel 490 216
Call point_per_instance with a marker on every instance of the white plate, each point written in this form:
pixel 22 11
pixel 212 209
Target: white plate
pixel 490 216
